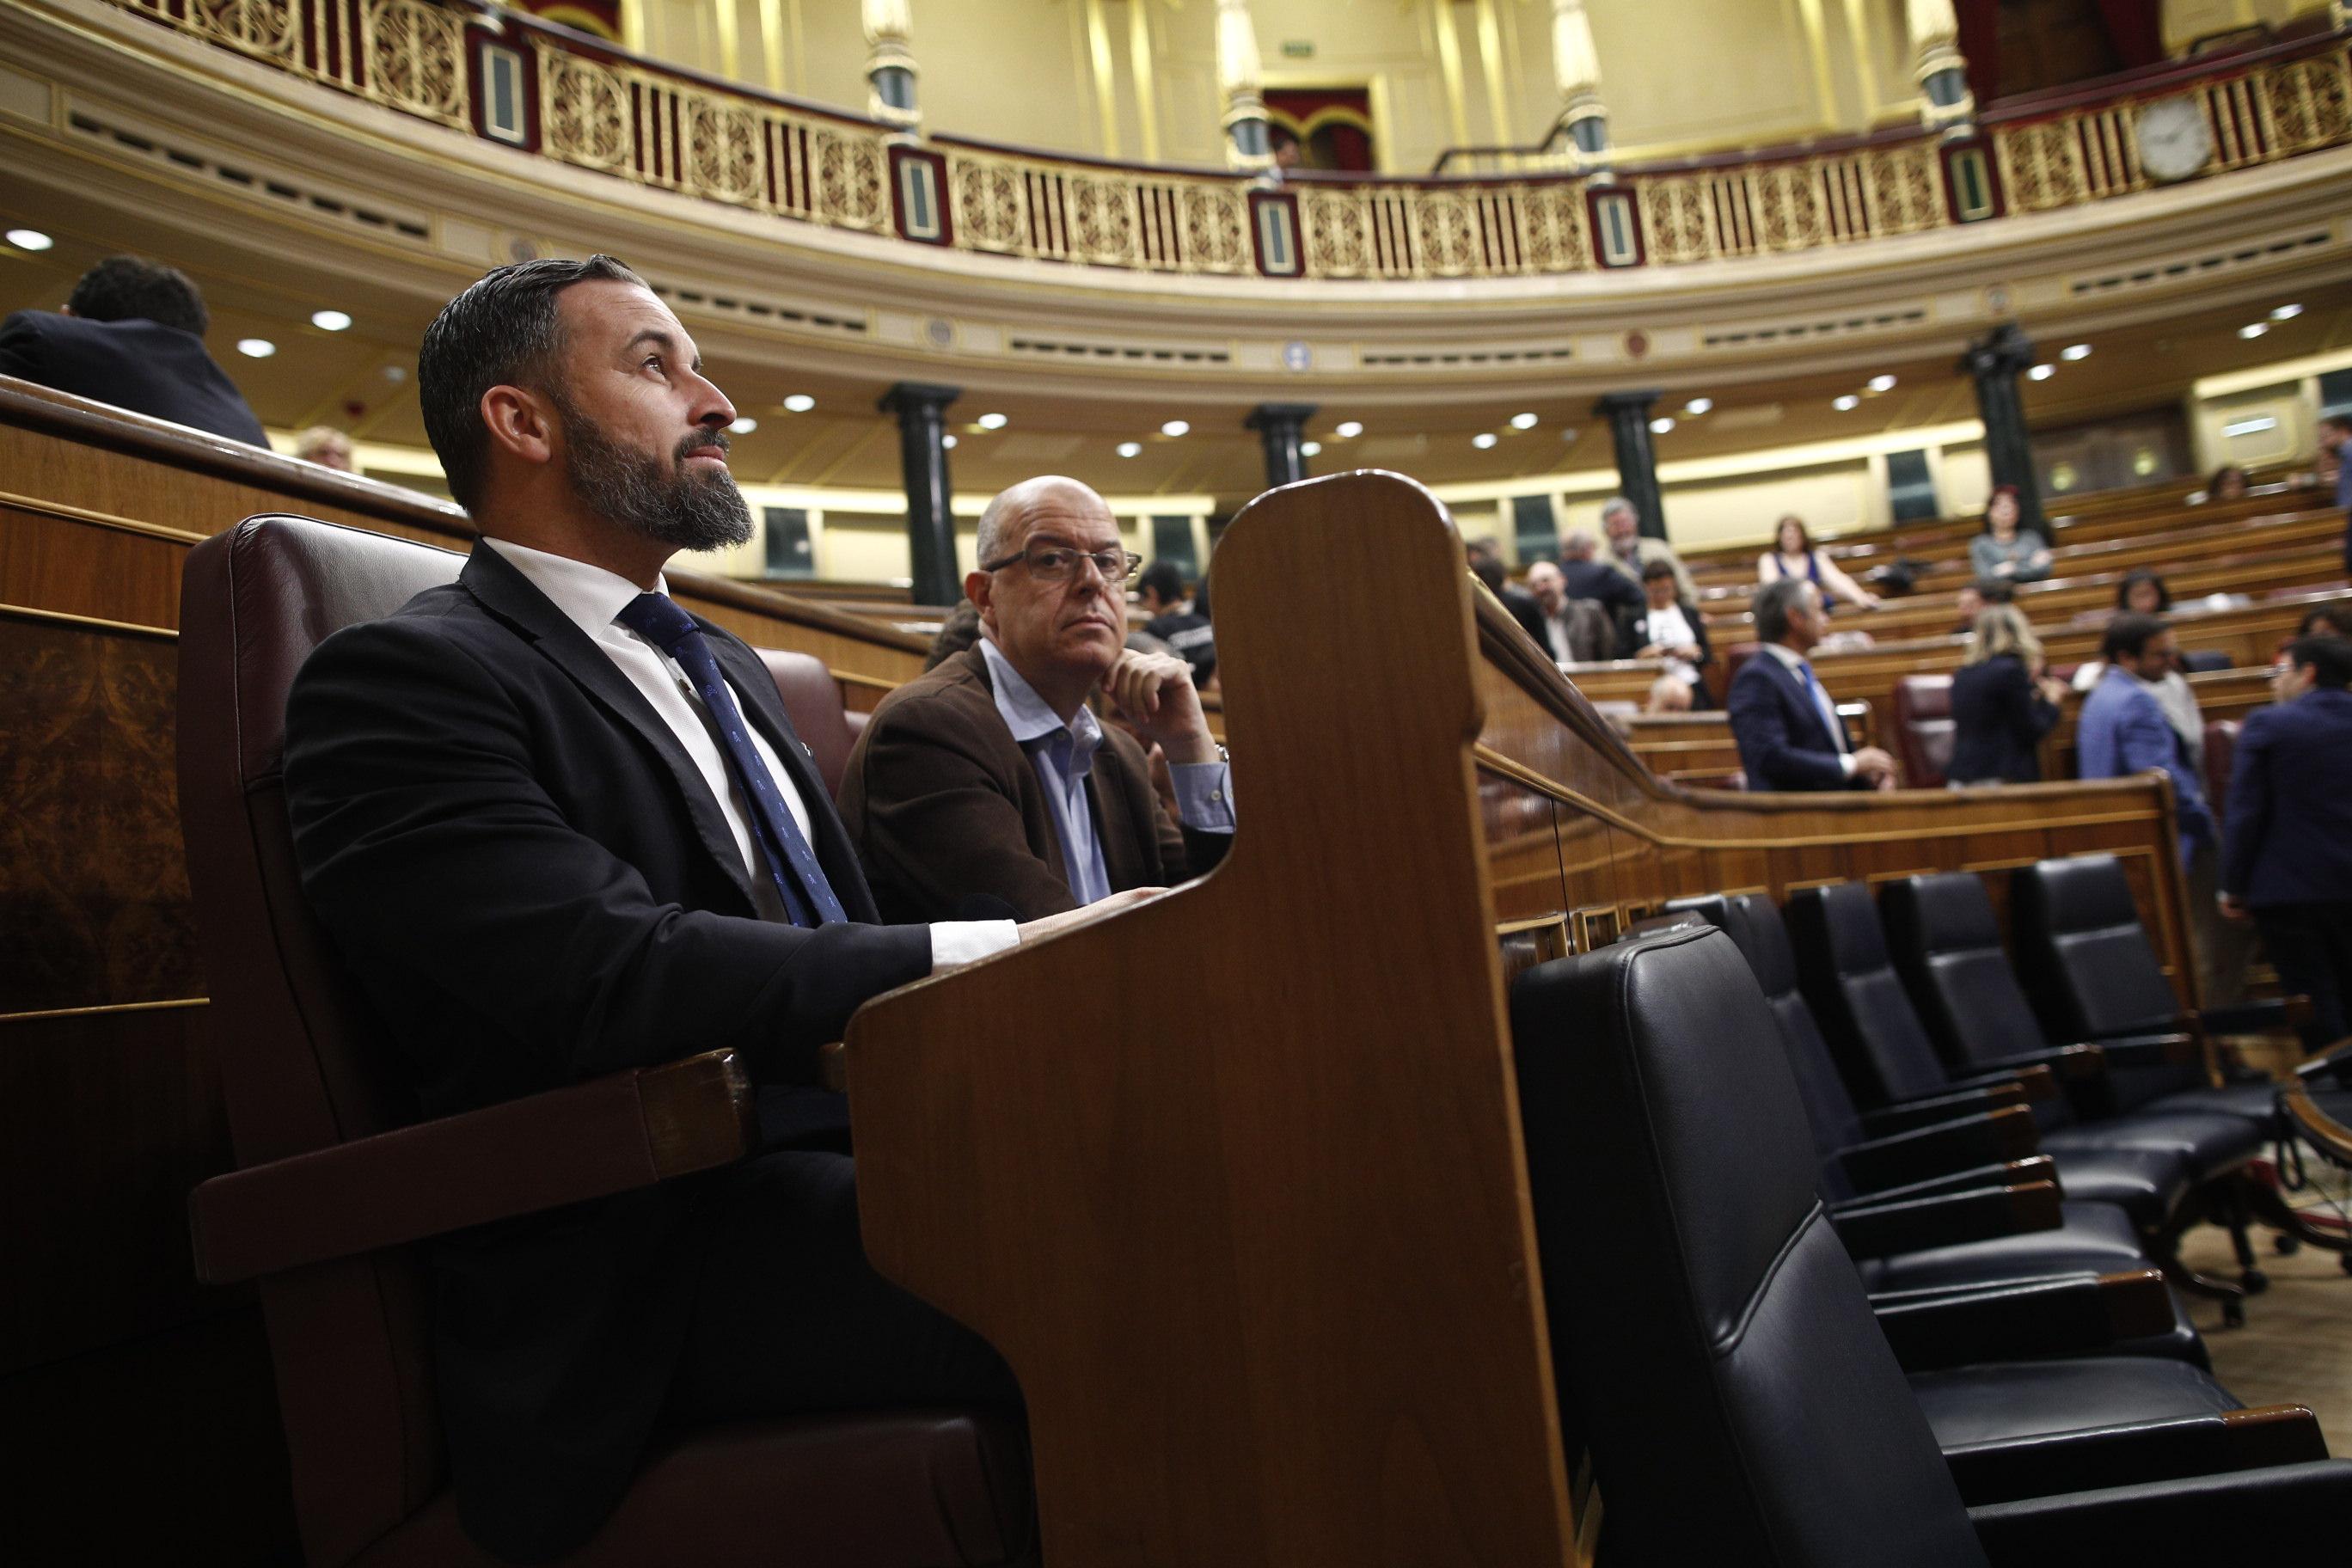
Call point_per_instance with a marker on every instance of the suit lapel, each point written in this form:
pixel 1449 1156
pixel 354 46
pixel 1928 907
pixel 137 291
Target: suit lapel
pixel 1795 686
pixel 509 595
pixel 1114 829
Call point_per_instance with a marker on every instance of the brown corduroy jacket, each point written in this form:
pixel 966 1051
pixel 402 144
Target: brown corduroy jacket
pixel 942 806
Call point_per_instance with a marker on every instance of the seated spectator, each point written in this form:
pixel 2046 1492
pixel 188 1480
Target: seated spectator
pixel 2287 852
pixel 2004 550
pixel 1788 731
pixel 1668 695
pixel 1794 554
pixel 1575 630
pixel 327 447
pixel 957 633
pixel 2143 593
pixel 1486 565
pixel 1176 622
pixel 1630 549
pixel 133 334
pixel 1588 577
pixel 990 777
pixel 1668 628
pixel 2229 483
pixel 2333 619
pixel 2003 702
pixel 1974 597
pixel 2124 729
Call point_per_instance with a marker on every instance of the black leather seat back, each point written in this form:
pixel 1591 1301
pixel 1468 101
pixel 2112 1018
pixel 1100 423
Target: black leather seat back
pixel 1858 1000
pixel 2088 967
pixel 1945 942
pixel 1740 1400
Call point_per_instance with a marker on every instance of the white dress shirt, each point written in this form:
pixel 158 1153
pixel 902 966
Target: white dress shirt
pixel 1670 628
pixel 1799 665
pixel 591 597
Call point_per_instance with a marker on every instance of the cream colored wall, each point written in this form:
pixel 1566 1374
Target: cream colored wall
pixel 2286 394
pixel 2185 21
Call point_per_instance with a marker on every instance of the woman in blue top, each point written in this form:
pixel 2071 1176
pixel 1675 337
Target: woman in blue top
pixel 1793 555
pixel 2004 550
pixel 2003 702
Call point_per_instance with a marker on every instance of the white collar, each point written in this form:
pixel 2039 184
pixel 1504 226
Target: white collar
pixel 590 597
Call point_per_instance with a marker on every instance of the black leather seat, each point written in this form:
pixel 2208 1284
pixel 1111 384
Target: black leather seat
pixel 2093 1238
pixel 1738 1398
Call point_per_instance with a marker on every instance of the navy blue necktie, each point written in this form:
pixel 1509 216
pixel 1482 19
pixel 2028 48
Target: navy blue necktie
pixel 808 897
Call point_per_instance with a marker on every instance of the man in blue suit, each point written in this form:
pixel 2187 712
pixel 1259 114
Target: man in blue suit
pixel 1787 729
pixel 2286 854
pixel 2123 730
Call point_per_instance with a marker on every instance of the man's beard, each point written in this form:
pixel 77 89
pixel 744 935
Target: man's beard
pixel 682 506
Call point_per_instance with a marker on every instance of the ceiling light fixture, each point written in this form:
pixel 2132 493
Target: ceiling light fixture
pixel 1174 428
pixel 329 320
pixel 29 240
pixel 2041 372
pixel 799 403
pixel 1349 429
pixel 1483 440
pixel 256 348
pixel 1310 449
pixel 1847 404
pixel 2282 312
pixel 1660 425
pixel 992 421
pixel 744 425
pixel 1882 384
pixel 1522 421
pixel 1131 448
pixel 947 440
pixel 2253 329
pixel 1698 405
pixel 2075 351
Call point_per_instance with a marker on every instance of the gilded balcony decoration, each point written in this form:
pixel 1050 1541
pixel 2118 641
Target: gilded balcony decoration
pixel 1525 213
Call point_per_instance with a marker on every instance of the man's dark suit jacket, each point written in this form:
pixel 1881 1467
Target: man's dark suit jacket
pixel 1528 610
pixel 531 884
pixel 943 805
pixel 1782 742
pixel 2289 837
pixel 1596 579
pixel 1997 723
pixel 144 366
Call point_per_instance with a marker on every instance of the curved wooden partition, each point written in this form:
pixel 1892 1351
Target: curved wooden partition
pixel 1263 1261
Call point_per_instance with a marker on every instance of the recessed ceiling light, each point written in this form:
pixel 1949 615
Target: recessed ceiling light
pixel 2253 329
pixel 1522 421
pixel 396 373
pixel 1882 384
pixel 1483 440
pixel 1174 428
pixel 2075 351
pixel 992 421
pixel 1846 403
pixel 1131 448
pixel 2041 372
pixel 799 403
pixel 1569 434
pixel 1310 449
pixel 2280 314
pixel 947 440
pixel 29 240
pixel 329 320
pixel 1660 425
pixel 744 425
pixel 1698 405
pixel 256 348
pixel 1349 429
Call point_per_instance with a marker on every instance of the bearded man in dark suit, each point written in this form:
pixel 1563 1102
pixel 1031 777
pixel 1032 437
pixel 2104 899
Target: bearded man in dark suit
pixel 558 827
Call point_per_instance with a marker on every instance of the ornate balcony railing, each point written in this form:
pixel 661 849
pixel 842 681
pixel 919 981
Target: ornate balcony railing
pixel 550 93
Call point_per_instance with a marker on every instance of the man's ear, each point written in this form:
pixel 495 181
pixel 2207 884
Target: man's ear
pixel 520 422
pixel 976 586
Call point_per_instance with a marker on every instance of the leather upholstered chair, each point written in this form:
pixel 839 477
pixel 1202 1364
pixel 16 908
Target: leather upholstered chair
pixel 1738 1394
pixel 338 1181
pixel 812 698
pixel 1923 729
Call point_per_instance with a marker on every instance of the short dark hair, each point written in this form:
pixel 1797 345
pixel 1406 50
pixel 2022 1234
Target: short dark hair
pixel 2341 421
pixel 2133 579
pixel 1488 570
pixel 502 331
pixel 2330 660
pixel 1657 567
pixel 2337 616
pixel 131 288
pixel 2128 635
pixel 1772 603
pixel 1164 578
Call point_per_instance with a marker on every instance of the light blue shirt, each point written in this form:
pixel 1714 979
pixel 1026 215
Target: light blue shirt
pixel 1063 754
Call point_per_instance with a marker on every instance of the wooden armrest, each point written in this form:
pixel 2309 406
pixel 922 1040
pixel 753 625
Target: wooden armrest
pixel 1876 1231
pixel 2152 1050
pixel 2035 1082
pixel 2314 1126
pixel 2059 1315
pixel 2069 1062
pixel 1963 1143
pixel 1903 1115
pixel 624 1130
pixel 2145 1452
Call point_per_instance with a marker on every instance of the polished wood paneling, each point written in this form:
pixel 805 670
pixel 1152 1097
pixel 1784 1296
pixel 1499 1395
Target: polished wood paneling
pixel 93 887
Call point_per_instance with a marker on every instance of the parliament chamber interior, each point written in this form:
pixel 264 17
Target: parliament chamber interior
pixel 639 635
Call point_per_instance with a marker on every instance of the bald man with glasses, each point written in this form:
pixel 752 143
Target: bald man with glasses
pixel 990 781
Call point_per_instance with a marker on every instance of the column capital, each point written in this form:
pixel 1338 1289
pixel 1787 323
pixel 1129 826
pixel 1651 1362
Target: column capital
pixel 1280 426
pixel 1639 402
pixel 908 396
pixel 2004 351
pixel 1271 415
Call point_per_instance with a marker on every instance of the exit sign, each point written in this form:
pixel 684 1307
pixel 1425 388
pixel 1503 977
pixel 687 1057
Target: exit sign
pixel 1298 48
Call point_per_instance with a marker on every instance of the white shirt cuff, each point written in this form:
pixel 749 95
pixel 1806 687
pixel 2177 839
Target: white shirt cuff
pixel 968 941
pixel 1205 795
pixel 1845 760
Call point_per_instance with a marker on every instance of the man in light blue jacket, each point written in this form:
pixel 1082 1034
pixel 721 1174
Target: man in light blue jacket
pixel 2123 730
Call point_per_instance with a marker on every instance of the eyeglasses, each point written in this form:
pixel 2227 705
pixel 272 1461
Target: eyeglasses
pixel 1059 562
